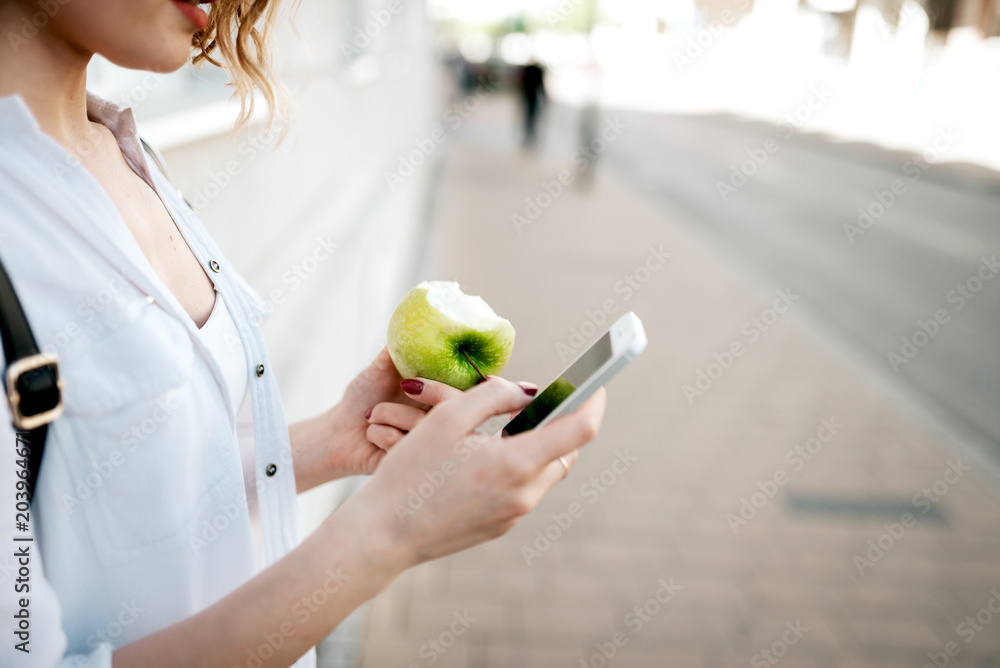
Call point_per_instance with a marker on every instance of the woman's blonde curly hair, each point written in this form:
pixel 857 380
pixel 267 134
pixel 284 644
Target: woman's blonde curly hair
pixel 238 38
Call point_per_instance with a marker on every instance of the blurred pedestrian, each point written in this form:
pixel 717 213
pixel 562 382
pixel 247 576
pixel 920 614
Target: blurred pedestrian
pixel 532 96
pixel 468 78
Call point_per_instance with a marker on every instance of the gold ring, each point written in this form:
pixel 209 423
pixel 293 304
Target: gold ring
pixel 562 460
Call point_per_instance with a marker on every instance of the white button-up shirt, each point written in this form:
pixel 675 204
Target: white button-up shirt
pixel 139 515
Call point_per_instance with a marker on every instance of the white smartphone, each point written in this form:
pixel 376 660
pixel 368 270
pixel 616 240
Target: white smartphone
pixel 621 344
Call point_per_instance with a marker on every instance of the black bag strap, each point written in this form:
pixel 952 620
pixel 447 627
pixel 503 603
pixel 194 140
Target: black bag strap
pixel 33 386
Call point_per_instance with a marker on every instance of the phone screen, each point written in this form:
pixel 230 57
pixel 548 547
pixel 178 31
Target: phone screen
pixel 553 395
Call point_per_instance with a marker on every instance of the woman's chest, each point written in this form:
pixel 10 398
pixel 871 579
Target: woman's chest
pixel 158 236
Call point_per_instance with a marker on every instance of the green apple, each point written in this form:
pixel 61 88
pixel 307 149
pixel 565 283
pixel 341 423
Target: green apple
pixel 439 333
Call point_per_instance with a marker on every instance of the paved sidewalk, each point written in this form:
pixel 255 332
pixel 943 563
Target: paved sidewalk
pixel 786 515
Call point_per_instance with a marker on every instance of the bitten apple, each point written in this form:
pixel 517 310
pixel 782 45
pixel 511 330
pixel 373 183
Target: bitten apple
pixel 440 333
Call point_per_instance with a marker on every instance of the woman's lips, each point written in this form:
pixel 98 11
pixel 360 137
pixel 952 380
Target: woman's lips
pixel 195 15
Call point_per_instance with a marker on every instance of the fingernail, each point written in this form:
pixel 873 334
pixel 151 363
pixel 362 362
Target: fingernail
pixel 530 391
pixel 412 386
pixel 368 413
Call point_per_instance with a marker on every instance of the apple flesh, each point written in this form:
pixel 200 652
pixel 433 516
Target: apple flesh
pixel 439 333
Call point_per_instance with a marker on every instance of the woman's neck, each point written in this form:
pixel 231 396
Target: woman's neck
pixel 49 73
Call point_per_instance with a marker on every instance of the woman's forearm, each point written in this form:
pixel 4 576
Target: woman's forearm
pixel 284 611
pixel 308 439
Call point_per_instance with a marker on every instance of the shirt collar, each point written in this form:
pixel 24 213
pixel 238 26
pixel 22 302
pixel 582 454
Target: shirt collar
pixel 16 118
pixel 121 121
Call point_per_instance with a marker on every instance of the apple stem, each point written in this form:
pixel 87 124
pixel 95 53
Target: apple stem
pixel 481 376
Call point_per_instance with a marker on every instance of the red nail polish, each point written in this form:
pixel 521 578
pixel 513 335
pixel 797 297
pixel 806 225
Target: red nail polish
pixel 368 413
pixel 530 391
pixel 411 386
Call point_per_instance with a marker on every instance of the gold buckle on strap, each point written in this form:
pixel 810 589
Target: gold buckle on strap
pixel 14 372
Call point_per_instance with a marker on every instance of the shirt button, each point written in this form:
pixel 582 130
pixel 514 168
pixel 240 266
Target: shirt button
pixel 260 370
pixel 271 470
pixel 216 267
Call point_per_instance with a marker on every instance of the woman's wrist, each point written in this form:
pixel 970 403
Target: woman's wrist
pixel 375 548
pixel 310 442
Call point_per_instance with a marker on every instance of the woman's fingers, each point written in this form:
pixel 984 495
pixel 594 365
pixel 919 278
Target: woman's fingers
pixel 551 475
pixel 554 441
pixel 384 436
pixel 428 392
pixel 527 387
pixel 563 436
pixel 432 393
pixel 400 416
pixel 486 400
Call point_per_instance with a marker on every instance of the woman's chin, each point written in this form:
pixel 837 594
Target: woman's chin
pixel 163 60
pixel 169 65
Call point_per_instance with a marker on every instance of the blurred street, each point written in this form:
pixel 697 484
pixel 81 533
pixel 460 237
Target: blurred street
pixel 874 265
pixel 772 505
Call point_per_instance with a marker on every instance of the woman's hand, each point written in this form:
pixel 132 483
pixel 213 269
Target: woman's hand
pixel 444 487
pixel 354 436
